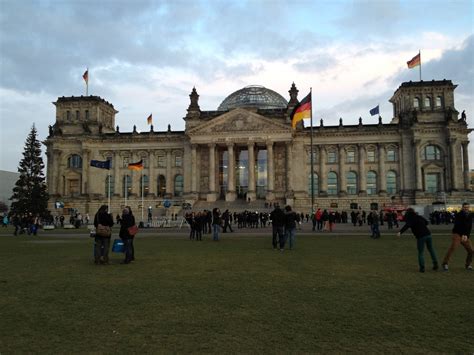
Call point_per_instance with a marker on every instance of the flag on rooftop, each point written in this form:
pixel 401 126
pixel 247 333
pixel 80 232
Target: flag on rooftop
pixel 301 111
pixel 415 61
pixel 375 111
pixel 85 76
pixel 149 120
pixel 136 166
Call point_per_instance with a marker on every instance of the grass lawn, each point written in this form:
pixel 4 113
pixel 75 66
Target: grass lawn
pixel 334 293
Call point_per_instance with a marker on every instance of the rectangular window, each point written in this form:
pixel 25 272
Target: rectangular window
pixel 332 157
pixel 126 160
pixel 87 115
pixel 78 116
pixel 432 183
pixel 371 156
pixel 350 156
pixel 68 115
pixel 161 162
pixel 391 155
pixel 309 156
pixel 144 162
pixel 178 161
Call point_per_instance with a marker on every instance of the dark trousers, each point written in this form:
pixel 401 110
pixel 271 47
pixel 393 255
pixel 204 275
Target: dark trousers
pixel 320 224
pixel 420 244
pixel 101 252
pixel 127 244
pixel 226 224
pixel 278 232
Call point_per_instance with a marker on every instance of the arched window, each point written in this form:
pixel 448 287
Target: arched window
pixel 332 183
pixel 127 185
pixel 391 182
pixel 439 102
pixel 315 184
pixel 351 183
pixel 427 102
pixel 416 102
pixel 161 187
pixel 371 183
pixel 74 161
pixel 432 152
pixel 178 185
pixel 112 185
pixel 144 185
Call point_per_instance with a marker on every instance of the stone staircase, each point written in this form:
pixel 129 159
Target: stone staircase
pixel 235 206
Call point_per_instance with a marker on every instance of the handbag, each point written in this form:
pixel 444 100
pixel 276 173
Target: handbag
pixel 132 230
pixel 103 231
pixel 118 246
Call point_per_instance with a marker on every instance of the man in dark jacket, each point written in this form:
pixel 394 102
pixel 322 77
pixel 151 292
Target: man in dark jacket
pixel 419 228
pixel 461 233
pixel 277 217
pixel 291 218
pixel 127 221
pixel 102 243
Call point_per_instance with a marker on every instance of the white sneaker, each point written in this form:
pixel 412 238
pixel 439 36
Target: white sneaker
pixel 445 267
pixel 469 268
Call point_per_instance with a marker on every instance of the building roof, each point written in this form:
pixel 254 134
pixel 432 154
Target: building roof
pixel 254 96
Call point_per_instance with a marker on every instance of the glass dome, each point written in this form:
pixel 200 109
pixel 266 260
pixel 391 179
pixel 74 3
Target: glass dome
pixel 253 96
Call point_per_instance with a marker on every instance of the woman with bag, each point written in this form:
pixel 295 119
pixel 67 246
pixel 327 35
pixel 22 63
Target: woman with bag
pixel 103 223
pixel 127 230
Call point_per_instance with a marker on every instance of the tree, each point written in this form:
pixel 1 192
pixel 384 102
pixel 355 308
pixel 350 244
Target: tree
pixel 30 192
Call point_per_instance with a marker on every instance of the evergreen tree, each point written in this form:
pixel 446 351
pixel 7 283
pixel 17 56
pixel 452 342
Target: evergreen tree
pixel 30 192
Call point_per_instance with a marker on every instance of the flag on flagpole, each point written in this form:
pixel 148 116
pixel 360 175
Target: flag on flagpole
pixel 101 164
pixel 149 120
pixel 301 111
pixel 136 166
pixel 375 111
pixel 415 61
pixel 85 76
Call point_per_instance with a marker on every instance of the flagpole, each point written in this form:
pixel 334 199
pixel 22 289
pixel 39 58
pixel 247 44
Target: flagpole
pixel 110 208
pixel 142 195
pixel 419 53
pixel 311 147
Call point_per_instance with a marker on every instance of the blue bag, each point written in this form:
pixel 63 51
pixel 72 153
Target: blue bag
pixel 118 246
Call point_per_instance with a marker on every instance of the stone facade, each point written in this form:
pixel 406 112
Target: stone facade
pixel 252 154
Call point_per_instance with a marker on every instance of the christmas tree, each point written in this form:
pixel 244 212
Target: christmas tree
pixel 30 192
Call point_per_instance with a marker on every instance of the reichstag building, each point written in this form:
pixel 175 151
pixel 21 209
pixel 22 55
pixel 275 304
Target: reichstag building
pixel 246 153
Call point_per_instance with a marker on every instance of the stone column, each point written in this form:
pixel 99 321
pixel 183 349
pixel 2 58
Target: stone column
pixel 270 171
pixel 322 171
pixel 230 194
pixel 194 168
pixel 56 160
pixel 211 196
pixel 85 171
pixel 169 175
pixel 251 191
pixel 342 173
pixel 465 160
pixel 362 175
pixel 288 163
pixel 382 174
pixel 454 168
pixel 117 181
pixel 151 173
pixel 419 176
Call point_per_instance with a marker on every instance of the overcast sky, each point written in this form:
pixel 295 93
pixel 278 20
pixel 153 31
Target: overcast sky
pixel 146 56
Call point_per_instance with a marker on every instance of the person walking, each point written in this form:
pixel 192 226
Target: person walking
pixel 226 217
pixel 216 223
pixel 277 216
pixel 419 228
pixel 461 234
pixel 291 218
pixel 127 221
pixel 103 223
pixel 375 225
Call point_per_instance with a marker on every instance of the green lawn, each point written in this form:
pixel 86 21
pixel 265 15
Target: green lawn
pixel 334 293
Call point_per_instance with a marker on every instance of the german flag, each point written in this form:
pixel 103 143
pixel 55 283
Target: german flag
pixel 85 76
pixel 301 111
pixel 136 166
pixel 415 61
pixel 149 120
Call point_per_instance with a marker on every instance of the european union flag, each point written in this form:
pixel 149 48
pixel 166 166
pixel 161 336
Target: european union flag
pixel 375 111
pixel 101 164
